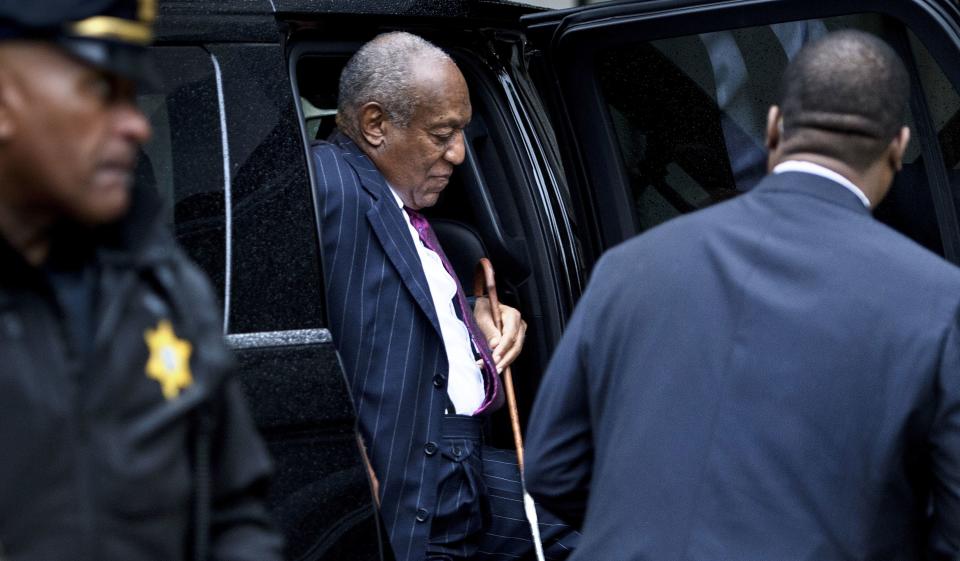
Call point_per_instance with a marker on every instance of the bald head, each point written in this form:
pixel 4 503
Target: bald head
pixel 844 97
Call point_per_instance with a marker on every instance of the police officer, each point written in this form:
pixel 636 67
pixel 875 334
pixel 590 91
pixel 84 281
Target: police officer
pixel 121 435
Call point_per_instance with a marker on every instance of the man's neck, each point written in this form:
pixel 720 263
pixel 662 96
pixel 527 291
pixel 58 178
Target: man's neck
pixel 28 233
pixel 860 180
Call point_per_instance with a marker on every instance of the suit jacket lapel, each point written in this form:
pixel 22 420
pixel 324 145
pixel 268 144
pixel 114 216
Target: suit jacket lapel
pixel 386 220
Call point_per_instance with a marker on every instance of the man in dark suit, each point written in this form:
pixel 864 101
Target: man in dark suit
pixel 423 367
pixel 776 377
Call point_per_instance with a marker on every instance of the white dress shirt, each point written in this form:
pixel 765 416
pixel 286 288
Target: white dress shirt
pixel 816 169
pixel 464 381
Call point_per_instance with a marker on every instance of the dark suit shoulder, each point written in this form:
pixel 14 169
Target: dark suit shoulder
pixel 896 256
pixel 670 239
pixel 326 153
pixel 834 234
pixel 336 179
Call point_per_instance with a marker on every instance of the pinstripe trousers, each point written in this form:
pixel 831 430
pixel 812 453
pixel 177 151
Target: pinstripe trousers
pixel 480 512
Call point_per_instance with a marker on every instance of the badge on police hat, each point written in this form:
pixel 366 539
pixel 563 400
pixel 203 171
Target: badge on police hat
pixel 169 362
pixel 128 23
pixel 109 34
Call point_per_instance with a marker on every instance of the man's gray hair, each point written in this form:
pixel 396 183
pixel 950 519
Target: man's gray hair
pixel 382 71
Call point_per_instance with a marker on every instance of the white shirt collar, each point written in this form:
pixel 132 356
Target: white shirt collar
pixel 465 385
pixel 395 195
pixel 817 169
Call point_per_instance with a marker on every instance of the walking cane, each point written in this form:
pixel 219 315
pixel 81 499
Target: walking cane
pixel 484 280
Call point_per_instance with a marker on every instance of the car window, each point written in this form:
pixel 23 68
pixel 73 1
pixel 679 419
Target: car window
pixel 275 274
pixel 943 103
pixel 225 156
pixel 689 116
pixel 183 160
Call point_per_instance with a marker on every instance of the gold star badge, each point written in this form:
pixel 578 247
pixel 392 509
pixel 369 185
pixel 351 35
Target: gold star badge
pixel 169 362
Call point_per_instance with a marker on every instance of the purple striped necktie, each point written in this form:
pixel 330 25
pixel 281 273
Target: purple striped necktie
pixel 491 381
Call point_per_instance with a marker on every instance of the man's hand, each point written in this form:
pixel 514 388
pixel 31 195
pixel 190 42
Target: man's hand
pixel 374 482
pixel 505 343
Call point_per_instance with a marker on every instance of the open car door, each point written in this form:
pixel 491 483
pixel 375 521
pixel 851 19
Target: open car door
pixel 660 106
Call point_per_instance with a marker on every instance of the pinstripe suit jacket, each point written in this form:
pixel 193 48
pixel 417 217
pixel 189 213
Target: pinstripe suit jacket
pixel 386 330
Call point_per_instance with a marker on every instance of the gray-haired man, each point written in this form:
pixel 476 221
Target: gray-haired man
pixel 422 365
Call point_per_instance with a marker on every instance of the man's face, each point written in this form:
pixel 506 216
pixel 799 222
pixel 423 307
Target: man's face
pixel 69 135
pixel 418 160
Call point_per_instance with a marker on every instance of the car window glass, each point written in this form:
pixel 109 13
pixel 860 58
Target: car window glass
pixel 689 115
pixel 943 102
pixel 183 160
pixel 275 282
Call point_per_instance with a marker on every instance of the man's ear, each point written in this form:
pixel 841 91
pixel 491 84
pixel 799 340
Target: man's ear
pixel 774 128
pixel 898 147
pixel 774 136
pixel 372 122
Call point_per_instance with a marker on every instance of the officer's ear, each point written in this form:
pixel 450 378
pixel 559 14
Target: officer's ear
pixel 373 122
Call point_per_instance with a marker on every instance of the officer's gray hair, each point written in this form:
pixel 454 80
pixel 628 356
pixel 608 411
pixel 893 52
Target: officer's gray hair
pixel 382 71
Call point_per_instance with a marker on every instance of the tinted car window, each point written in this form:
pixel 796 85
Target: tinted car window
pixel 275 274
pixel 690 112
pixel 268 232
pixel 943 103
pixel 184 159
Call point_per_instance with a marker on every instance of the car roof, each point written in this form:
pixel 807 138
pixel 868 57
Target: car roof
pixel 256 20
pixel 429 8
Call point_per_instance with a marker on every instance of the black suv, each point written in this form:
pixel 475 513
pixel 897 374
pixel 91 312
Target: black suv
pixel 590 126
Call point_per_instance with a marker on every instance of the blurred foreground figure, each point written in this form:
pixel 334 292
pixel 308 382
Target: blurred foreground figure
pixel 122 437
pixel 776 377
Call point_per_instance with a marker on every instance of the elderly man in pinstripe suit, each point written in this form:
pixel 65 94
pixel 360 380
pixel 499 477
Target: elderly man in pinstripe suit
pixel 423 366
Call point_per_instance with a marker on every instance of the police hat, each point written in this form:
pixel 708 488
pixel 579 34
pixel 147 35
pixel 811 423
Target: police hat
pixel 108 34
